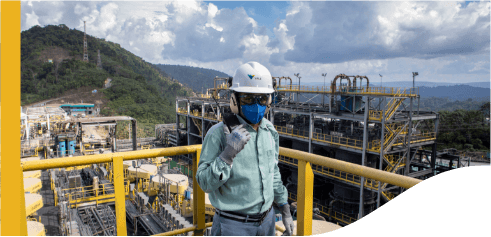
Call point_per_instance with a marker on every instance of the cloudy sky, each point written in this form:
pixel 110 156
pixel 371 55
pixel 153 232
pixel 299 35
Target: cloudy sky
pixel 443 41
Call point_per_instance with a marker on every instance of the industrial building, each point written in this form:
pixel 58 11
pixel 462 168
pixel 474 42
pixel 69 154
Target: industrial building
pixel 378 127
pixel 78 109
pixel 363 126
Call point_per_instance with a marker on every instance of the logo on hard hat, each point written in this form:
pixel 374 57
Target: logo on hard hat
pixel 253 76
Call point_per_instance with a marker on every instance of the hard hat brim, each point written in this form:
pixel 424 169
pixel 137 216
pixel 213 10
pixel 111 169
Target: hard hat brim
pixel 250 89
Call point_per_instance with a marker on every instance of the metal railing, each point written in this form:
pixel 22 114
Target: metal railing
pixel 336 174
pixel 375 115
pixel 304 191
pixel 326 138
pixel 104 194
pixel 212 117
pixel 346 219
pixel 390 91
pixel 182 110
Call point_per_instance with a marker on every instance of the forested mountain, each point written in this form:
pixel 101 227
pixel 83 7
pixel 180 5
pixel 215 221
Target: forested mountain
pixel 458 92
pixel 464 129
pixel 439 104
pixel 51 64
pixel 195 78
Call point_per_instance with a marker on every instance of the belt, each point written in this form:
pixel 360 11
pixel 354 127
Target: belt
pixel 243 217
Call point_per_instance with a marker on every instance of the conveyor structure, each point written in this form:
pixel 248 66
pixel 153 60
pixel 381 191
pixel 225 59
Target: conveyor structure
pixel 150 222
pixel 100 219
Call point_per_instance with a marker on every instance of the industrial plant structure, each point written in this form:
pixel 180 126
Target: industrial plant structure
pixel 350 121
pixel 378 127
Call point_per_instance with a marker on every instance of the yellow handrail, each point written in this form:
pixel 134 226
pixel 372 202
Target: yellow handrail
pixel 332 139
pixel 390 91
pixel 305 185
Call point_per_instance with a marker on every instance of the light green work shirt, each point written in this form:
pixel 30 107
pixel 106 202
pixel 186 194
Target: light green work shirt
pixel 253 181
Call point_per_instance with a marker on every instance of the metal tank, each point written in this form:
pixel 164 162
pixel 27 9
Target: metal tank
pixel 71 144
pixel 61 140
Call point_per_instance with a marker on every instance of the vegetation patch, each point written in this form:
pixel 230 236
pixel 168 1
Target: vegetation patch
pixel 51 66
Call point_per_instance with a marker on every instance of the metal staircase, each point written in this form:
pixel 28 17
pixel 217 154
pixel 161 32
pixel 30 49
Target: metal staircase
pixel 394 132
pixel 392 107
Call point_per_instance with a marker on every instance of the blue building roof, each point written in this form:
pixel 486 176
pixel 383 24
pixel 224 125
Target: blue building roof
pixel 77 106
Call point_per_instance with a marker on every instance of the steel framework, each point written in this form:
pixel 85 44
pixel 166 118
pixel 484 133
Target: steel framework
pixel 378 126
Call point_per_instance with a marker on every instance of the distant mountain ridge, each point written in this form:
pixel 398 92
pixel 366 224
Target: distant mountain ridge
pixel 443 97
pixel 458 92
pixel 196 78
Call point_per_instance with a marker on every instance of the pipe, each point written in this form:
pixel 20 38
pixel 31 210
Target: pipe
pixel 361 77
pixel 340 76
pixel 285 78
pixel 330 208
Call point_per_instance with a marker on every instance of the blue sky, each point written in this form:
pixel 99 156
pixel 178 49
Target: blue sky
pixel 443 41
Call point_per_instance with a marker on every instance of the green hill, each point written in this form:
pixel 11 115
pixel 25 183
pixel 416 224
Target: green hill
pixel 51 66
pixel 195 78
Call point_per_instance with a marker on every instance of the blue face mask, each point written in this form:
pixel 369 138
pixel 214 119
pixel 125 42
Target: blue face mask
pixel 254 112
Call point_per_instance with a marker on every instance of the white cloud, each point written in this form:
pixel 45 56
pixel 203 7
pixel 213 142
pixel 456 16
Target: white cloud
pixel 365 38
pixel 107 16
pixel 325 33
pixel 80 9
pixel 31 20
pixel 481 65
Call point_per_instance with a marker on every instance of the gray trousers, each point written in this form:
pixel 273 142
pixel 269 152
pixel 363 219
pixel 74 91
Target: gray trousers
pixel 227 227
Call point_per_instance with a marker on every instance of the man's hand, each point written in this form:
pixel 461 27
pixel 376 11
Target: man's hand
pixel 236 141
pixel 287 219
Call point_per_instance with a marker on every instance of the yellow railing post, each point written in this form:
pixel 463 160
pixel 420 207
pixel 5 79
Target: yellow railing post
pixel 119 196
pixel 305 198
pixel 199 199
pixel 22 210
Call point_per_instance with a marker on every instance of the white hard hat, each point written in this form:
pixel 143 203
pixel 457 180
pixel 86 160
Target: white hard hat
pixel 252 77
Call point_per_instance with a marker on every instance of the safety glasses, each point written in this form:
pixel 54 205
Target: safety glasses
pixel 247 99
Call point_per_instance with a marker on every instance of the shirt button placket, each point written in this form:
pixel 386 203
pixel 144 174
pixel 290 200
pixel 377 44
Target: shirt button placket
pixel 261 173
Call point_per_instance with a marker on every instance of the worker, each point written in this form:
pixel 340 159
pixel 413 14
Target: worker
pixel 238 166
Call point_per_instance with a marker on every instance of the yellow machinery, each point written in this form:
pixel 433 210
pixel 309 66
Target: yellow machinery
pixel 34 202
pixel 178 183
pixel 35 228
pixel 126 165
pixel 142 185
pixel 109 169
pixel 32 185
pixel 77 167
pixel 187 207
pixel 144 172
pixel 158 161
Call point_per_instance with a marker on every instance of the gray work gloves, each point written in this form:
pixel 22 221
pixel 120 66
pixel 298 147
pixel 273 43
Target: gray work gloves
pixel 236 140
pixel 287 219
